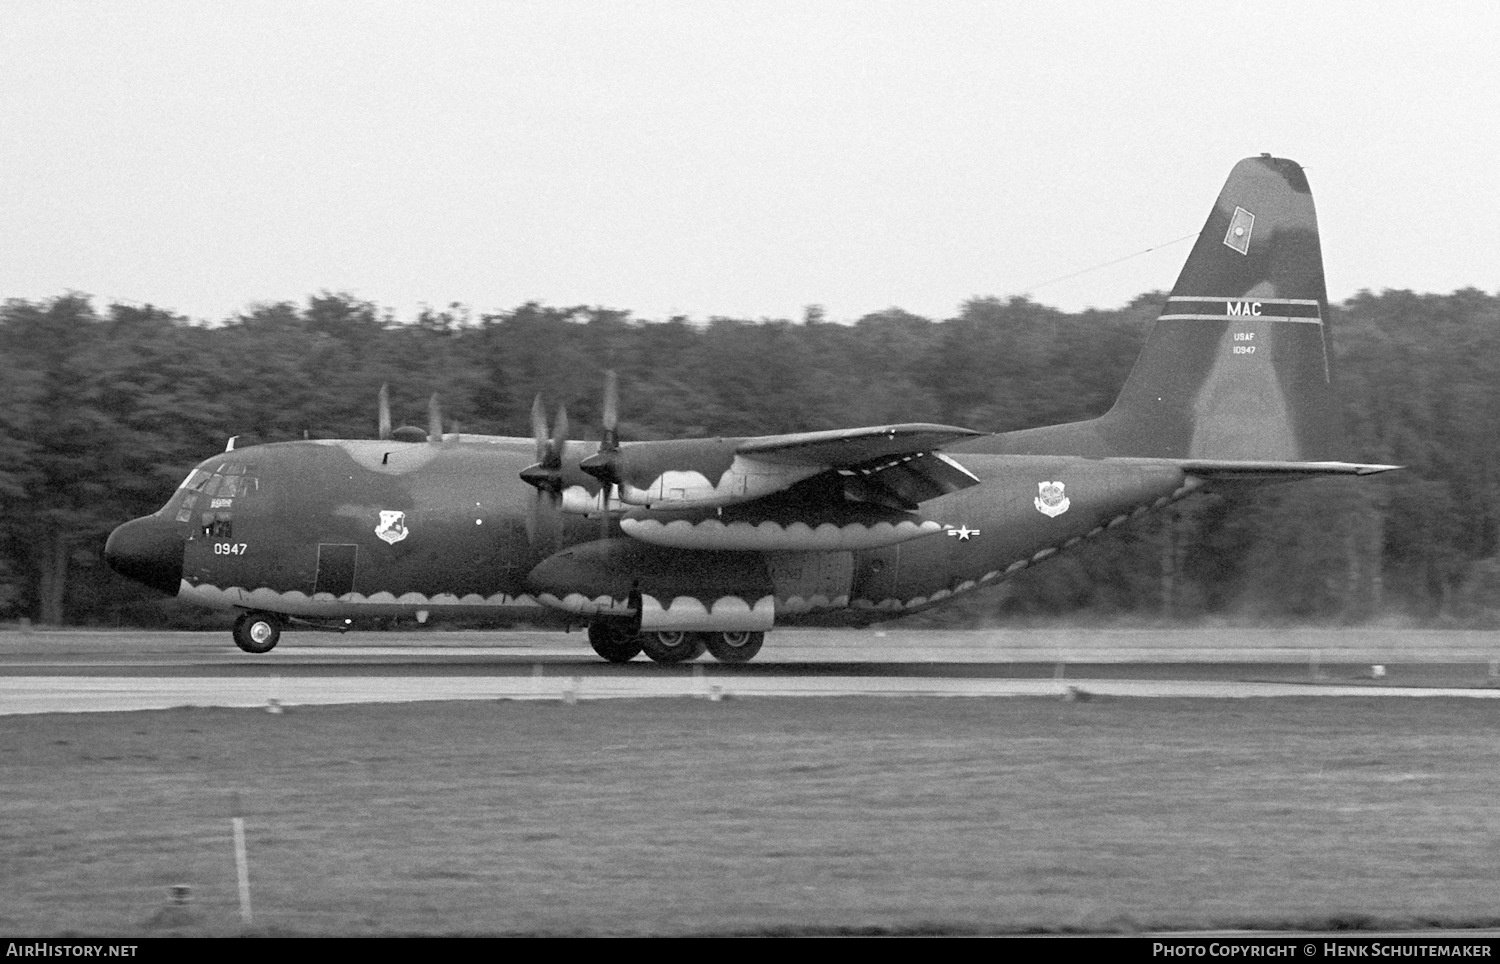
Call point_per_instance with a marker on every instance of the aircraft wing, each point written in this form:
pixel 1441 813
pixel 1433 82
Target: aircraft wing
pixel 895 466
pixel 852 446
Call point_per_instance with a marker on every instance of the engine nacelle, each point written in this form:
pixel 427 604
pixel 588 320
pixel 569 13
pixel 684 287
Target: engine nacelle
pixel 742 480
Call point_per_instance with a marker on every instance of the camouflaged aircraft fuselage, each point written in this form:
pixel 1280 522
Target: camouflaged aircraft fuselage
pixel 1233 388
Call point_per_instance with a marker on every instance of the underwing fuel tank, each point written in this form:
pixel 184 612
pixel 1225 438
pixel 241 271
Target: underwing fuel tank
pixel 838 528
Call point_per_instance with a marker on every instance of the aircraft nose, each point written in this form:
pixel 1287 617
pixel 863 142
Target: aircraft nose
pixel 148 550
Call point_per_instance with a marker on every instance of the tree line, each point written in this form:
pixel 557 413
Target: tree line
pixel 103 410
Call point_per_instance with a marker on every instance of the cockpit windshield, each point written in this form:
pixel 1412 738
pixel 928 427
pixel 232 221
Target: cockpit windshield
pixel 212 493
pixel 195 480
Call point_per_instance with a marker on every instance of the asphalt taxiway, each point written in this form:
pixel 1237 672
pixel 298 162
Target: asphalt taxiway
pixel 49 672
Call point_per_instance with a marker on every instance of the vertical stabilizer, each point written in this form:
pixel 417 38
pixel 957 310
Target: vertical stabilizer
pixel 1237 366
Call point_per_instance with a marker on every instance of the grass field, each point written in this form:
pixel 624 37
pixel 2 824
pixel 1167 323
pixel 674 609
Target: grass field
pixel 803 815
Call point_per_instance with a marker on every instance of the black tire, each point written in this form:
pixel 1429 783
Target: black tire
pixel 735 647
pixel 257 632
pixel 672 646
pixel 613 641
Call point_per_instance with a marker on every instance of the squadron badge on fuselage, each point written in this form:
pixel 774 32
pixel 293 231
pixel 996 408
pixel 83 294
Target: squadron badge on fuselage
pixel 1051 501
pixel 392 526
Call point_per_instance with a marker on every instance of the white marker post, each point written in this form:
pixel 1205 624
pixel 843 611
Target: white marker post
pixel 241 862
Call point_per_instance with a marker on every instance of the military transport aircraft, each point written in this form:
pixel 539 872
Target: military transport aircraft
pixel 680 546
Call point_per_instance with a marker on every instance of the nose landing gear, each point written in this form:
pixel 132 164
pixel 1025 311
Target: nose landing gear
pixel 256 632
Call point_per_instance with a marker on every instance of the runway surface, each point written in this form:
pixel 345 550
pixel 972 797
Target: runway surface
pixel 42 672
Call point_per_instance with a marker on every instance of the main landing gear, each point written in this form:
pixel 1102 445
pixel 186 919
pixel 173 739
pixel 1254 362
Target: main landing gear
pixel 615 642
pixel 734 647
pixel 673 647
pixel 257 632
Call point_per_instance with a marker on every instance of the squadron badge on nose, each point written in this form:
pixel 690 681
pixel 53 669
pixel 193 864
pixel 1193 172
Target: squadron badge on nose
pixel 1051 500
pixel 392 526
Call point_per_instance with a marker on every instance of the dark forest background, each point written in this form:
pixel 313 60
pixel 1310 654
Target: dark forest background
pixel 104 410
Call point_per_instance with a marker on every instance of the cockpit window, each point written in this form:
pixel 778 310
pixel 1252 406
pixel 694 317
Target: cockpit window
pixel 194 481
pixel 220 487
pixel 234 485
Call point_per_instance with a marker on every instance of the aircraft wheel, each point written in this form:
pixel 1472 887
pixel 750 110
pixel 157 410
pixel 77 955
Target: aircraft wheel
pixel 257 632
pixel 735 647
pixel 613 641
pixel 672 646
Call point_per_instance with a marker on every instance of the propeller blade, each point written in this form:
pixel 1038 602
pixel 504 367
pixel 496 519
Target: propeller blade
pixel 385 412
pixel 544 522
pixel 609 448
pixel 604 464
pixel 559 436
pixel 539 427
pixel 611 412
pixel 434 420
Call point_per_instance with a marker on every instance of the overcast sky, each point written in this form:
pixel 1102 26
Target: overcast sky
pixel 742 158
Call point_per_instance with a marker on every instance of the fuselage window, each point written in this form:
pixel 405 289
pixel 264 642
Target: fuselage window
pixel 218 525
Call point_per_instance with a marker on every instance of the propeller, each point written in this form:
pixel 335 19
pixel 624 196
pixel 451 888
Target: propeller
pixel 604 465
pixel 409 433
pixel 546 474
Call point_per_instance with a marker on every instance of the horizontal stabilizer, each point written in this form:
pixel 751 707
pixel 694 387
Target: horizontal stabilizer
pixel 1226 469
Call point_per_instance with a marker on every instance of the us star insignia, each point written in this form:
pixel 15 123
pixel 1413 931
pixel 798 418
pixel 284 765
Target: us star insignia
pixel 963 532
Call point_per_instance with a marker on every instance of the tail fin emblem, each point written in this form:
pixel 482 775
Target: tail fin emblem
pixel 1051 501
pixel 1240 226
